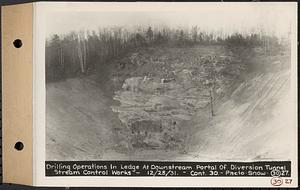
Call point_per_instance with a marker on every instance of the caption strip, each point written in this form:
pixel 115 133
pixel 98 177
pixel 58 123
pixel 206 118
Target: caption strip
pixel 164 169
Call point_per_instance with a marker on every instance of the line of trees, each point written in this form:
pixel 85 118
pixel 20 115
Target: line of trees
pixel 78 53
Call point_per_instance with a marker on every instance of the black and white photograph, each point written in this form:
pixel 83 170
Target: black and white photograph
pixel 209 83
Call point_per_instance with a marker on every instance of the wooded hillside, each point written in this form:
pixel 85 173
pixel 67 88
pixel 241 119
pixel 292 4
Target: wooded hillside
pixel 79 53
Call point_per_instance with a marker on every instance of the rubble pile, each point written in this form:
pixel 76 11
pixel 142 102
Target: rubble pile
pixel 160 89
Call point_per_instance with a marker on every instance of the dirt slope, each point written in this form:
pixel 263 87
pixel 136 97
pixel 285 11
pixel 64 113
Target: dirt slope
pixel 252 123
pixel 79 121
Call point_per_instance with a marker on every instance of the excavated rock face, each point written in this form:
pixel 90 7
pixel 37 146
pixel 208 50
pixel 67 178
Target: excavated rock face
pixel 153 114
pixel 162 90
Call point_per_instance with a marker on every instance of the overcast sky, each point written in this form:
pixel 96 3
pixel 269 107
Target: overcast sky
pixel 228 17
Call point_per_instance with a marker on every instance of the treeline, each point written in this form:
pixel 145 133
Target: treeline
pixel 78 53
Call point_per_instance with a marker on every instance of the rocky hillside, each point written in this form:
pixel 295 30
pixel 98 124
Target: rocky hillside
pixel 159 90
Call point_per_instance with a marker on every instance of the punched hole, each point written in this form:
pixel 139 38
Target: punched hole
pixel 18 43
pixel 19 146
